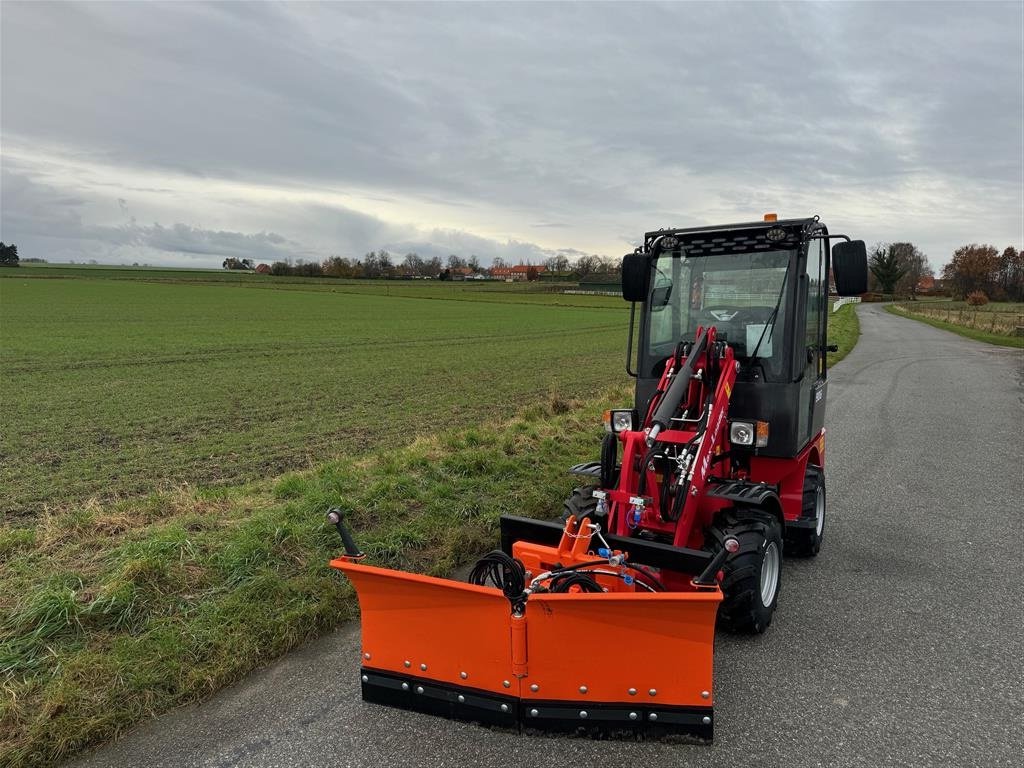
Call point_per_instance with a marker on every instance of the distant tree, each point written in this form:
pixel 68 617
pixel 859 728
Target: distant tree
pixel 232 263
pixel 412 264
pixel 586 265
pixel 557 263
pixel 973 268
pixel 371 265
pixel 1011 274
pixel 455 262
pixel 916 265
pixel 8 255
pixel 387 269
pixel 498 263
pixel 473 263
pixel 886 267
pixel 532 273
pixel 336 266
pixel 446 274
pixel 377 265
pixel 433 267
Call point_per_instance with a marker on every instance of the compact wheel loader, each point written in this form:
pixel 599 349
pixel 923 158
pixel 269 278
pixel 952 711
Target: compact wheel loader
pixel 713 475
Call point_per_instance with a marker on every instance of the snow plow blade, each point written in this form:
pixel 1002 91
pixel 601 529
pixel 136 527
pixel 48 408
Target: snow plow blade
pixel 461 651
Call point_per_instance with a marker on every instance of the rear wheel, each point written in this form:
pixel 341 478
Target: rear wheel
pixel 752 574
pixel 806 542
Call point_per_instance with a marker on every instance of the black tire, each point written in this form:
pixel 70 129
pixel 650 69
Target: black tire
pixel 806 542
pixel 583 504
pixel 744 609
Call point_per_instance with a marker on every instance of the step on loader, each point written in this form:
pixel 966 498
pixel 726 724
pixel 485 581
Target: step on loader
pixel 603 622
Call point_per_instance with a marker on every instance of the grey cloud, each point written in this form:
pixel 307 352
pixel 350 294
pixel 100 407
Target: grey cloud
pixel 609 117
pixel 45 222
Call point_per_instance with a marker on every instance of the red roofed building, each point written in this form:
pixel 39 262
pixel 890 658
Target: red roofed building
pixel 518 272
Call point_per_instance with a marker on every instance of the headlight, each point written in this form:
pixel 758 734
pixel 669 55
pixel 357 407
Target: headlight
pixel 741 433
pixel 618 421
pixel 749 433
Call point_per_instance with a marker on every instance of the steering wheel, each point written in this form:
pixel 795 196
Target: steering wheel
pixel 719 316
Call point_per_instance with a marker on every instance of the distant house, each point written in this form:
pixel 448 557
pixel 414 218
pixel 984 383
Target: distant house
pixel 926 284
pixel 460 273
pixel 263 269
pixel 518 272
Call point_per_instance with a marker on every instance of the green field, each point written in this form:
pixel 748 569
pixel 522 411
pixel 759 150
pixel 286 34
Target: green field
pixel 170 445
pixel 116 387
pixel 994 323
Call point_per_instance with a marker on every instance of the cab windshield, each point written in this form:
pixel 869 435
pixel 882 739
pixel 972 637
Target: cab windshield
pixel 736 293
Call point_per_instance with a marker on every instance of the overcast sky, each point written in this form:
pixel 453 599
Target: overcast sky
pixel 184 133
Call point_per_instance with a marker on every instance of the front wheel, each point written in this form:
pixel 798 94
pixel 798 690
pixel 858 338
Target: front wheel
pixel 583 504
pixel 752 574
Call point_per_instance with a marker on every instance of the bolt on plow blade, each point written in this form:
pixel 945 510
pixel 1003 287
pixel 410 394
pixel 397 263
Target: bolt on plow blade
pixel 461 651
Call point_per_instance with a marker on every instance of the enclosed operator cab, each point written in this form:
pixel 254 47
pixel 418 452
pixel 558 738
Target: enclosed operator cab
pixel 764 286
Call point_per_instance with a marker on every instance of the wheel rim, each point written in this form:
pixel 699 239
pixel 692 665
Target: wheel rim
pixel 769 574
pixel 819 511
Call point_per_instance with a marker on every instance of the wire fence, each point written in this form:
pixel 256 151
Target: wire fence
pixel 1001 322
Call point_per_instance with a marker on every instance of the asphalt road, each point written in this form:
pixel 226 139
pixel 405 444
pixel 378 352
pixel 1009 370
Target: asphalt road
pixel 901 644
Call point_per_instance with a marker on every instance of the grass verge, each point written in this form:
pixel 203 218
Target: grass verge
pixel 843 331
pixel 115 612
pixel 970 333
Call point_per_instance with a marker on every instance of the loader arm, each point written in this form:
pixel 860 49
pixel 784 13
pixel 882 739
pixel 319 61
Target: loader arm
pixel 666 464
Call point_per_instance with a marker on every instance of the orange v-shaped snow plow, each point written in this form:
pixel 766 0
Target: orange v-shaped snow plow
pixel 508 654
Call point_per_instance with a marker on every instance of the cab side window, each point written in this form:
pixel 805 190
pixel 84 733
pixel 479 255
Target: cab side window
pixel 817 295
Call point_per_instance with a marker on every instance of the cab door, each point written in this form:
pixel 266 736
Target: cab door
pixel 814 284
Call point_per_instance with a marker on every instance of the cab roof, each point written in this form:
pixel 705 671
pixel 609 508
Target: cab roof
pixel 738 238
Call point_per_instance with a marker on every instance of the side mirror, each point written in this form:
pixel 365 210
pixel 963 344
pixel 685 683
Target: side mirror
pixel 850 267
pixel 636 272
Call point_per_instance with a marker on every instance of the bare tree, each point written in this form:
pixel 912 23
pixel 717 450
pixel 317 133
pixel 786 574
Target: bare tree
pixel 916 265
pixel 586 265
pixel 557 263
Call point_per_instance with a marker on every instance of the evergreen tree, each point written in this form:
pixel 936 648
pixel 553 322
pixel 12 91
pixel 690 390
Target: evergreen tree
pixel 887 268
